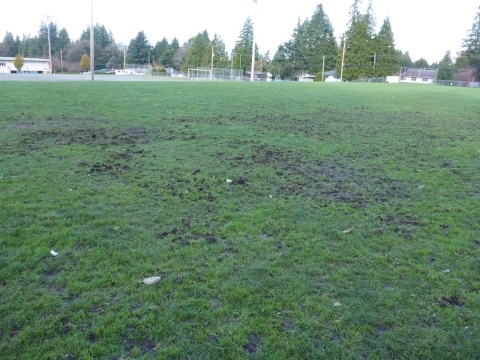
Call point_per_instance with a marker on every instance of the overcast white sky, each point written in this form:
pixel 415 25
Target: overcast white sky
pixel 426 28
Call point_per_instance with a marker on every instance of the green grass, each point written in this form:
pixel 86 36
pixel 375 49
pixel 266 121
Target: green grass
pixel 128 180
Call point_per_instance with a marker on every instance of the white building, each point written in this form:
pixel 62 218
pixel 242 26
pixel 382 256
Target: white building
pixel 305 77
pixel 30 66
pixel 418 76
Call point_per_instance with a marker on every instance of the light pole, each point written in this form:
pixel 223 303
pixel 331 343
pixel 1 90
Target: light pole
pixel 49 44
pixel 231 69
pixel 92 53
pixel 323 69
pixel 253 45
pixel 211 66
pixel 343 59
pixel 241 70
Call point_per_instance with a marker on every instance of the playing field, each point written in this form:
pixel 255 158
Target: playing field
pixel 286 221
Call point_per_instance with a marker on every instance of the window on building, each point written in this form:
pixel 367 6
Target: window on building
pixel 414 79
pixel 425 79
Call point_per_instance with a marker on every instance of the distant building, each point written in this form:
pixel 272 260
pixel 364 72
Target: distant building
pixel 331 76
pixel 418 76
pixel 30 66
pixel 257 75
pixel 305 77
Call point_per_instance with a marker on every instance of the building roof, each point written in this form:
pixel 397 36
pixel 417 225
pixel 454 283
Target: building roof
pixel 331 73
pixel 421 73
pixel 8 58
pixel 307 76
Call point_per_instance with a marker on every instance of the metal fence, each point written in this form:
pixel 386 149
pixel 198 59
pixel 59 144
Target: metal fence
pixel 139 69
pixel 371 80
pixel 203 73
pixel 458 83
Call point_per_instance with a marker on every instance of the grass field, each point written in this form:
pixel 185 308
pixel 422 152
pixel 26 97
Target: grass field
pixel 350 229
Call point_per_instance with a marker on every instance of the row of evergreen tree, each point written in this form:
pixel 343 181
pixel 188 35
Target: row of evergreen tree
pixel 362 51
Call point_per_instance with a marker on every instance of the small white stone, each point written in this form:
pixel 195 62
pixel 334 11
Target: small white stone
pixel 151 280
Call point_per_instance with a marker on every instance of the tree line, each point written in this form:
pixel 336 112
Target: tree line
pixel 361 52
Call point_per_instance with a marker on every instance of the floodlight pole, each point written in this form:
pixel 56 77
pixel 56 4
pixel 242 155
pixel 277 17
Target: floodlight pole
pixel 343 60
pixel 211 66
pixel 241 70
pixel 253 45
pixel 231 69
pixel 49 44
pixel 92 50
pixel 323 69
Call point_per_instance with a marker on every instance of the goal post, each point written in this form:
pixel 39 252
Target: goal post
pixel 200 74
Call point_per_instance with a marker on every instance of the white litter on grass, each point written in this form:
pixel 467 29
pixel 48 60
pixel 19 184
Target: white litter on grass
pixel 271 197
pixel 151 280
pixel 446 271
pixel 70 190
pixel 421 187
pixel 53 253
pixel 229 181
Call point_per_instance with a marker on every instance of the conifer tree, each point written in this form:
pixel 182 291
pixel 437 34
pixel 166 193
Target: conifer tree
pixel 406 60
pixel 311 40
pixel 471 45
pixel 446 68
pixel 244 42
pixel 7 46
pixel 387 59
pixel 220 55
pixel 139 49
pixel 321 42
pixel 196 52
pixel 359 45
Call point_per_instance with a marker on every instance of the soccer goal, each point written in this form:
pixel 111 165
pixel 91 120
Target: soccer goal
pixel 200 74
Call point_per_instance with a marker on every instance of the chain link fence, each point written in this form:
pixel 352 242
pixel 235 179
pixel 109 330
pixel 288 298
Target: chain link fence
pixel 371 80
pixel 203 73
pixel 458 83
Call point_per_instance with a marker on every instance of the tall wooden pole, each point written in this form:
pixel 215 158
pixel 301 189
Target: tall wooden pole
pixel 252 74
pixel 49 45
pixel 343 60
pixel 92 50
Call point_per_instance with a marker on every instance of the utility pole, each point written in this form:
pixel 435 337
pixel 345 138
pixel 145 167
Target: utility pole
pixel 211 66
pixel 231 69
pixel 323 69
pixel 343 60
pixel 124 51
pixel 49 44
pixel 253 45
pixel 374 60
pixel 92 52
pixel 61 60
pixel 241 70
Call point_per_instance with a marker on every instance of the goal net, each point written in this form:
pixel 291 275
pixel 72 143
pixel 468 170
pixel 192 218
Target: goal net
pixel 200 74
